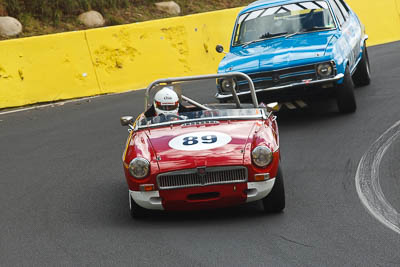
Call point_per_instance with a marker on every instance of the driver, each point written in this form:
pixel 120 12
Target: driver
pixel 166 102
pixel 166 106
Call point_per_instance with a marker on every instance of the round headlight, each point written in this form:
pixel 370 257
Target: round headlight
pixel 324 70
pixel 139 168
pixel 262 156
pixel 227 85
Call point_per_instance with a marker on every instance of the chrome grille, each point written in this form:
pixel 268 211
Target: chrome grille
pixel 202 177
pixel 279 77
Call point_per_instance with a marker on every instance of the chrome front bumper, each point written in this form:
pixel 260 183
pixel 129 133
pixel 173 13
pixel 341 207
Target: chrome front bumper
pixel 151 200
pixel 275 88
pixel 259 190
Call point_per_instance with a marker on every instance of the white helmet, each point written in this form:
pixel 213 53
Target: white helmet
pixel 166 102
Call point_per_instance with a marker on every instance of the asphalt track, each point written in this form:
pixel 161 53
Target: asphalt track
pixel 64 201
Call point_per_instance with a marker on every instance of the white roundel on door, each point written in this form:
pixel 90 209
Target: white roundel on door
pixel 199 141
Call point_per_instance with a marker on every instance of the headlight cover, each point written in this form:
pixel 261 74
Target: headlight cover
pixel 324 70
pixel 139 168
pixel 262 156
pixel 227 85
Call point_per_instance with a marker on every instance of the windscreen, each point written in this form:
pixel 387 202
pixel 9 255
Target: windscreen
pixel 202 115
pixel 282 20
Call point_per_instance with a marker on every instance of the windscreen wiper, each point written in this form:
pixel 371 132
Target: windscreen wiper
pixel 270 35
pixel 251 42
pixel 318 28
pixel 314 28
pixel 263 37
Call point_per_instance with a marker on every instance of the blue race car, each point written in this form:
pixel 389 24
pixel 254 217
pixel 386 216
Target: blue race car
pixel 297 50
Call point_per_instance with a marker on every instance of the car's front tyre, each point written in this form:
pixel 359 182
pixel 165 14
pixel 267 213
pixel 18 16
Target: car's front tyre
pixel 274 202
pixel 135 210
pixel 345 98
pixel 362 76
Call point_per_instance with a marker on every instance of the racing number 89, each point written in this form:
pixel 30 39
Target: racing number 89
pixel 193 140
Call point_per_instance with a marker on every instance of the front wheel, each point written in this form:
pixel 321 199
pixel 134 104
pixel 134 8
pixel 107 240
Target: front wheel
pixel 274 202
pixel 345 98
pixel 362 76
pixel 136 211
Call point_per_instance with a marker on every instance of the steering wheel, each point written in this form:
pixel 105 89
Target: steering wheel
pixel 210 113
pixel 169 116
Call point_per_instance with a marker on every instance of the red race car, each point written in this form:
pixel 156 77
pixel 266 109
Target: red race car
pixel 183 155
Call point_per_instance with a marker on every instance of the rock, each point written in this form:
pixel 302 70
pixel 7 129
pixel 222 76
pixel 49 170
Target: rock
pixel 92 19
pixel 170 7
pixel 10 26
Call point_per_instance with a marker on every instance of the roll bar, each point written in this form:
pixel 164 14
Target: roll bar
pixel 169 81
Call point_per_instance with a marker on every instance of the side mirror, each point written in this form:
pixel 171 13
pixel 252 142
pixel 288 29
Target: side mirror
pixel 219 48
pixel 126 120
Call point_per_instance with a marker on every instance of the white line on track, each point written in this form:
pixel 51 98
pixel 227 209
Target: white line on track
pixel 61 103
pixel 55 104
pixel 367 180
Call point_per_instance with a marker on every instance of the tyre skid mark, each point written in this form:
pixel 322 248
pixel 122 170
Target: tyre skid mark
pixel 367 180
pixel 295 242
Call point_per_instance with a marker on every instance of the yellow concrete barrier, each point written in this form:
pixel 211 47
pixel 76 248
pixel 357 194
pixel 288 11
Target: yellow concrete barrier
pixel 131 56
pixel 397 5
pixel 128 57
pixel 45 68
pixel 381 19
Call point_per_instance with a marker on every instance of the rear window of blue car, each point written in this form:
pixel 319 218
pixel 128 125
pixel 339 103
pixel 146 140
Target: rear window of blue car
pixel 282 20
